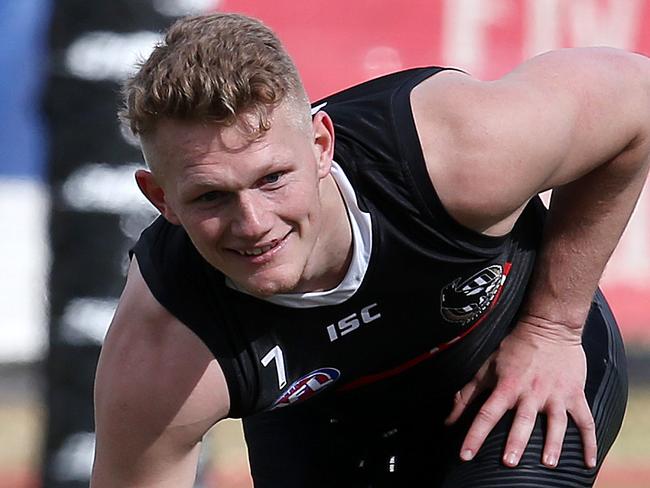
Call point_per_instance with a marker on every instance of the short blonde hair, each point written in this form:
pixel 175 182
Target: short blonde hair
pixel 222 68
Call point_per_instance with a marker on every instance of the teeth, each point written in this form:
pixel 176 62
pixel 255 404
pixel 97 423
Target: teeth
pixel 256 251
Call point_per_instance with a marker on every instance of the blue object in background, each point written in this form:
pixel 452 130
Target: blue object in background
pixel 23 61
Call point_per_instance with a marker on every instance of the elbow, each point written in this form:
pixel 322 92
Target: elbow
pixel 633 70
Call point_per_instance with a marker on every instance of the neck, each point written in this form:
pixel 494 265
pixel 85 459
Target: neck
pixel 334 247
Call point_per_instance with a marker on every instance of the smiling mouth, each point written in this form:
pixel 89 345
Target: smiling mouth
pixel 258 251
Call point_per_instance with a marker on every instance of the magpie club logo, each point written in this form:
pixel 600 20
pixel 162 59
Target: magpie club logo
pixel 462 301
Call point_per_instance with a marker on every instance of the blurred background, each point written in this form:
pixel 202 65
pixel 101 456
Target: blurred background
pixel 69 208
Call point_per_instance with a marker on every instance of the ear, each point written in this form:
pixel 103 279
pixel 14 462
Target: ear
pixel 323 142
pixel 155 194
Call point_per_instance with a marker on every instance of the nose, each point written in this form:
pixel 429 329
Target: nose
pixel 251 219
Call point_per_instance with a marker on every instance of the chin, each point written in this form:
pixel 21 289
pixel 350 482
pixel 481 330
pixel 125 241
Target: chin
pixel 270 287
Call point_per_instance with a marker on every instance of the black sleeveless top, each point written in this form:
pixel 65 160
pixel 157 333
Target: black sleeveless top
pixel 435 301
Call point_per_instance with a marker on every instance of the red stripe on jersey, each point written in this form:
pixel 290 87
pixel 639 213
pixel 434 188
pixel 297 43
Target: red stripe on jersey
pixel 373 378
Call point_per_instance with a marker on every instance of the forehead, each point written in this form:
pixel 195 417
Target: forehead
pixel 179 141
pixel 175 143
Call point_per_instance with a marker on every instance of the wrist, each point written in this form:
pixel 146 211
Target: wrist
pixel 555 302
pixel 549 329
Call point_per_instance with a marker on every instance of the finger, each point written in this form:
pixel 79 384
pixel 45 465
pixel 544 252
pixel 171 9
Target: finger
pixel 463 398
pixel 466 395
pixel 585 422
pixel 486 418
pixel 522 427
pixel 555 430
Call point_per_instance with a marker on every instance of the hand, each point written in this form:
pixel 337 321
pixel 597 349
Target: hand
pixel 533 371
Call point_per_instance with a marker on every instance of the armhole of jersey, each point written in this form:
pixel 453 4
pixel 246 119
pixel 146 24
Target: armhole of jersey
pixel 415 170
pixel 162 290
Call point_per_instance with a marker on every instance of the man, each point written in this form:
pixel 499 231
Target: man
pixel 373 288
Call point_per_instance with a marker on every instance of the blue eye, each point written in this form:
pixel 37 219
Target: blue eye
pixel 271 178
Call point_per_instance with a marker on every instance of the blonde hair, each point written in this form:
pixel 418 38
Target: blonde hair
pixel 223 68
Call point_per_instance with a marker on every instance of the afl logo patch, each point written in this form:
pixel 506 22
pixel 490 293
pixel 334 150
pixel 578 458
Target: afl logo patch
pixel 307 386
pixel 462 302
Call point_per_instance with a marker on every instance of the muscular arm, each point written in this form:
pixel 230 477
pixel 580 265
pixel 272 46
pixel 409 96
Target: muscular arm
pixel 490 146
pixel 576 121
pixel 158 390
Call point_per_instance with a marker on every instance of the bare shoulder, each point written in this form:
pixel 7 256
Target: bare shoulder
pixel 158 390
pixel 490 146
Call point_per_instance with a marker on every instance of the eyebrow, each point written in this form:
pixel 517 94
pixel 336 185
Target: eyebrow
pixel 191 183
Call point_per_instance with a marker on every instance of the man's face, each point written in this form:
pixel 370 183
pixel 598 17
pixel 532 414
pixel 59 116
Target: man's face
pixel 252 209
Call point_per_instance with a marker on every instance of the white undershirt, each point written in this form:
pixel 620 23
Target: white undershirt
pixel 361 244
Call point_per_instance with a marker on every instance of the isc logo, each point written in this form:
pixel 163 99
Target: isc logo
pixel 352 322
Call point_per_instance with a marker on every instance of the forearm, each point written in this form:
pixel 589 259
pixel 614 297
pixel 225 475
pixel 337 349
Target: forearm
pixel 585 222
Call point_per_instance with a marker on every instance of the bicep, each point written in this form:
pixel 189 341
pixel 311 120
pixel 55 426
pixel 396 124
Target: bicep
pixel 491 146
pixel 157 391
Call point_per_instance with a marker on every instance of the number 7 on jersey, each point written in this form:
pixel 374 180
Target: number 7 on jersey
pixel 276 353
